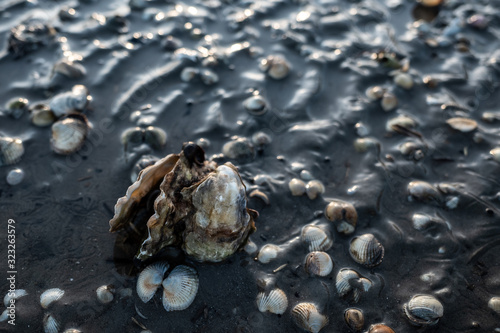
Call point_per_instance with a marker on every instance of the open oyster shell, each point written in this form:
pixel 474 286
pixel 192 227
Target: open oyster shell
pixel 202 207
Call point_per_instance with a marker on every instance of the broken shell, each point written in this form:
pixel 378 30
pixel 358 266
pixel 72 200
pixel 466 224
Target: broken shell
pixel 188 74
pixel 366 250
pixel 375 93
pixel 276 66
pixel 423 310
pixel 13 295
pixel 104 294
pixel 149 280
pixel 70 69
pixel 255 105
pixel 423 191
pixel 74 100
pixel 180 288
pixel 297 187
pixel 314 188
pixel 349 283
pixel 209 77
pixel 155 137
pixel 15 176
pixel 42 115
pixel 16 107
pixel 389 101
pixel 494 304
pixel 404 80
pixel 50 296
pixel 11 150
pixel 316 238
pixel 69 133
pixel 463 125
pixel 380 328
pixel 238 148
pixel 354 319
pixel 50 324
pixel 319 263
pixel 361 145
pixel 261 195
pixel 267 253
pixel 343 214
pixel 274 302
pixel 307 317
pixel 400 121
pixel 495 153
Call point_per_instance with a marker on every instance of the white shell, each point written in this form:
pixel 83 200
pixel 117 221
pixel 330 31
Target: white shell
pixel 42 116
pixel 188 74
pixel 276 66
pixel 404 80
pixel 316 238
pixel 149 280
pixel 423 310
pixel 250 247
pixel 274 302
pixel 50 324
pixel 402 121
pixel 494 304
pixel 18 293
pixel 15 176
pixel 463 125
pixel 180 288
pixel 4 316
pixel 307 317
pixel 74 100
pixel 423 191
pixel 314 188
pixel 374 93
pixel 104 294
pixel 49 296
pixel 11 150
pixel 389 101
pixel 361 145
pixel 255 105
pixel 267 253
pixel 68 135
pixel 349 282
pixel 297 187
pixel 318 263
pixel 495 153
pixel 72 330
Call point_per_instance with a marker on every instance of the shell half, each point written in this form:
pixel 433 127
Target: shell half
pixel 423 310
pixel 49 296
pixel 307 317
pixel 274 302
pixel 149 280
pixel 180 288
pixel 366 250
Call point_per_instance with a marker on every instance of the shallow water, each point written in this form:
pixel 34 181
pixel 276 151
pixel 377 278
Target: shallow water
pixel 63 206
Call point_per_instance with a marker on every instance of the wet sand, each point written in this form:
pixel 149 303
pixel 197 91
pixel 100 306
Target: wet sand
pixel 63 206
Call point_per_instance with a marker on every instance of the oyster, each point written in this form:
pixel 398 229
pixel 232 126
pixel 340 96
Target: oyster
pixel 202 207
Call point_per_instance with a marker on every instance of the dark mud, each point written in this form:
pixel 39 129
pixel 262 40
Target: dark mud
pixel 63 206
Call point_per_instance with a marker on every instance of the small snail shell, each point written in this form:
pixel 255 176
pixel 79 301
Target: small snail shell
pixel 297 187
pixel 274 302
pixel 307 317
pixel 366 250
pixel 404 80
pixel 276 66
pixel 318 263
pixel 354 319
pixel 423 310
pixel 180 288
pixel 50 296
pixel 343 214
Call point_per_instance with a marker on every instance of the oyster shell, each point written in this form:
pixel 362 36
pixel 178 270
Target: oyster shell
pixel 202 207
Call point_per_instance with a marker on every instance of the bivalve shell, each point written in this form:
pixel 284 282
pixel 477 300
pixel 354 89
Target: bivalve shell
pixel 316 238
pixel 314 188
pixel 105 294
pixel 389 101
pixel 69 133
pixel 354 319
pixel 423 310
pixel 276 66
pixel 275 301
pixel 494 304
pixel 42 115
pixel 16 294
pixel 50 324
pixel 366 250
pixel 423 191
pixel 464 125
pixel 297 187
pixel 49 296
pixel 267 253
pixel 11 150
pixel 318 263
pixel 74 100
pixel 404 80
pixel 149 280
pixel 343 214
pixel 495 153
pixel 380 328
pixel 400 121
pixel 180 288
pixel 374 93
pixel 307 317
pixel 255 105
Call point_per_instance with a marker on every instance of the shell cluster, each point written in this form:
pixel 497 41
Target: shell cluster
pixel 153 136
pixel 343 214
pixel 179 287
pixel 350 284
pixel 276 66
pixel 312 188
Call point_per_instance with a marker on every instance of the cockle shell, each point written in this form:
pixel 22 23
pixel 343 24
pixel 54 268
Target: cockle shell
pixel 494 304
pixel 423 310
pixel 297 187
pixel 343 214
pixel 50 324
pixel 366 250
pixel 318 263
pixel 105 294
pixel 389 101
pixel 275 301
pixel 354 319
pixel 41 115
pixel 180 288
pixel 267 253
pixel 255 105
pixel 201 206
pixel 316 238
pixel 307 317
pixel 16 294
pixel 149 280
pixel 380 328
pixel 11 150
pixel 314 188
pixel 69 133
pixel 74 100
pixel 276 66
pixel 350 283
pixel 50 296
